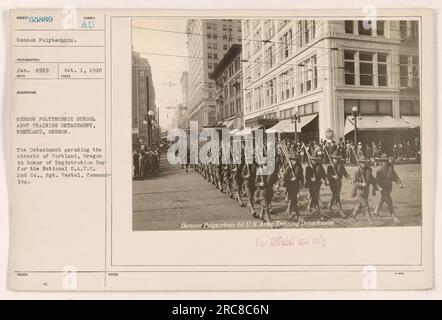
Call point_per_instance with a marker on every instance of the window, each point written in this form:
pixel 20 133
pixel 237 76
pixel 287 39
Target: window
pixel 299 33
pixel 224 27
pixel 215 36
pixel 382 70
pixel 349 67
pixel 287 40
pixel 306 32
pixel 209 36
pixel 209 26
pixel 225 37
pixel 313 27
pixel 403 29
pixel 215 56
pixel 215 46
pixel 349 26
pixel 225 46
pixel 269 57
pixel 287 84
pixel 409 107
pixel 414 29
pixel 209 46
pixel 209 55
pixel 315 107
pixel 315 72
pixel 366 68
pixel 403 68
pixel 380 27
pixel 282 86
pixel 301 71
pixel 415 67
pixel 368 107
pixel 214 26
pixel 210 65
pixel 364 27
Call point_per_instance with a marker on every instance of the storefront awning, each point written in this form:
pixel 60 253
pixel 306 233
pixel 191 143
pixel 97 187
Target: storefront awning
pixel 286 125
pixel 243 132
pixel 375 123
pixel 413 121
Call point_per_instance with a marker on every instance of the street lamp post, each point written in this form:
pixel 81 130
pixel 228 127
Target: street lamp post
pixel 148 122
pixel 296 118
pixel 356 114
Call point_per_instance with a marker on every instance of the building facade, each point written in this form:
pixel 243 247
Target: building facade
pixel 207 42
pixel 228 83
pixel 321 70
pixel 183 110
pixel 143 98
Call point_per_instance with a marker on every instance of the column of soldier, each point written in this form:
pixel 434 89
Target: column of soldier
pixel 146 161
pixel 239 180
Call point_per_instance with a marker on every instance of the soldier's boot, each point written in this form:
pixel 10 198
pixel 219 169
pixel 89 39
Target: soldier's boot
pixel 369 218
pixel 341 211
pixel 394 216
pixel 376 210
pixel 355 213
pixel 238 197
pixel 252 209
pixel 266 216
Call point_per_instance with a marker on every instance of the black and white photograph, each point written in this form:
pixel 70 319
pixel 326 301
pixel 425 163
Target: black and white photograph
pixel 338 101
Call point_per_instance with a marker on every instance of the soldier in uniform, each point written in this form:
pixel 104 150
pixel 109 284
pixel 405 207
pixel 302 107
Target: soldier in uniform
pixel 362 180
pixel 384 177
pixel 238 181
pixel 314 176
pixel 249 178
pixel 265 185
pixel 136 163
pixel 227 177
pixel 293 180
pixel 335 171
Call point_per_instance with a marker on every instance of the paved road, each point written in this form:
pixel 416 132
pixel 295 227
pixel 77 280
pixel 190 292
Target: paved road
pixel 175 200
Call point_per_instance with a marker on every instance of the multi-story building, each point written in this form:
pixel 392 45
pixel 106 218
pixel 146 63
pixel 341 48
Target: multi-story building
pixel 183 111
pixel 229 95
pixel 143 99
pixel 321 70
pixel 207 42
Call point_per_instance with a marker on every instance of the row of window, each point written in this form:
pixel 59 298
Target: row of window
pixel 304 78
pixel 365 27
pixel 367 61
pixel 380 107
pixel 214 36
pixel 231 109
pixel 407 28
pixel 215 46
pixel 302 110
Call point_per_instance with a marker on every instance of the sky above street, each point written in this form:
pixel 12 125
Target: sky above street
pixel 166 70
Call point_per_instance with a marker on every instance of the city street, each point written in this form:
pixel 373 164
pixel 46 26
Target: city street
pixel 176 200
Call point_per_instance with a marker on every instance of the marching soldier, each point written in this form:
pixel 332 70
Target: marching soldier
pixel 384 177
pixel 314 176
pixel 238 181
pixel 249 177
pixel 265 185
pixel 227 177
pixel 363 178
pixel 293 180
pixel 335 171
